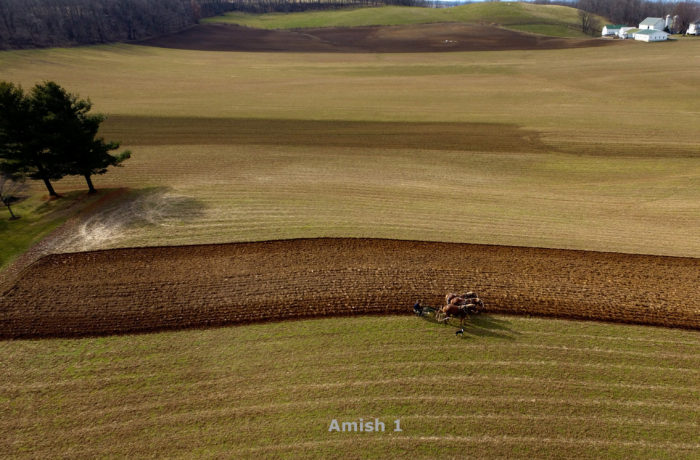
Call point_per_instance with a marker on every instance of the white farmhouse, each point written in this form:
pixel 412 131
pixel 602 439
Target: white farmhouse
pixel 653 24
pixel 651 35
pixel 611 29
pixel 694 28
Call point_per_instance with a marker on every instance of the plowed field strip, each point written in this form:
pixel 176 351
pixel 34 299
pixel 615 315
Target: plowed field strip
pixel 145 289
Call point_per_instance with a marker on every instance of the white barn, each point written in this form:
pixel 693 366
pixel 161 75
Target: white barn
pixel 611 29
pixel 694 28
pixel 653 24
pixel 651 35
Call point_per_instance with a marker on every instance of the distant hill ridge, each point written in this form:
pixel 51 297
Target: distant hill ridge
pixel 553 20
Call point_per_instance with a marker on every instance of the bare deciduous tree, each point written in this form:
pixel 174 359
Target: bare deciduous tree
pixel 684 13
pixel 589 25
pixel 10 188
pixel 32 23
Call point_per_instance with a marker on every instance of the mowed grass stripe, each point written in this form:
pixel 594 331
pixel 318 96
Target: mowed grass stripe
pixel 440 445
pixel 691 356
pixel 627 394
pixel 631 340
pixel 207 419
pixel 474 424
pixel 542 389
pixel 481 413
pixel 199 416
pixel 396 353
pixel 545 418
pixel 261 388
pixel 487 440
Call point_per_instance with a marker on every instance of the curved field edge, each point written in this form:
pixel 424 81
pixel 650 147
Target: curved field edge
pixel 510 387
pixel 553 20
pixel 146 289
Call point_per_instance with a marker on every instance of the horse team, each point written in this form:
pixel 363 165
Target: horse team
pixel 459 307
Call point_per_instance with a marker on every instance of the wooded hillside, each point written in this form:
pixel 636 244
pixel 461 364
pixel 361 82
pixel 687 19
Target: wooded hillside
pixel 39 23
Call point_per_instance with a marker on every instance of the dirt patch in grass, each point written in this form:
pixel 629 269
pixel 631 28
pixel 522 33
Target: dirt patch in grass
pixel 496 137
pixel 146 289
pixel 418 38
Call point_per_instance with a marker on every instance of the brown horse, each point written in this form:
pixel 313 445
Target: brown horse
pixel 453 311
pixel 478 304
pixel 459 301
pixel 449 297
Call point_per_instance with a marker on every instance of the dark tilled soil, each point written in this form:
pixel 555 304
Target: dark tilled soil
pixel 129 290
pixel 373 39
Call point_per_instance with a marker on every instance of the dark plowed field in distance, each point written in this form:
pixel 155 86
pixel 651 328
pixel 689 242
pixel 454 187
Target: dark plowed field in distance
pixel 145 289
pixel 420 38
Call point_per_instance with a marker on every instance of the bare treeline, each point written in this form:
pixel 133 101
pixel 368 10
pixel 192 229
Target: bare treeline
pixel 37 23
pixel 632 12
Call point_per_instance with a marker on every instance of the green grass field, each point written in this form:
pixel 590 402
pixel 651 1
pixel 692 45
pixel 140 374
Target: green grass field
pixel 558 21
pixel 512 387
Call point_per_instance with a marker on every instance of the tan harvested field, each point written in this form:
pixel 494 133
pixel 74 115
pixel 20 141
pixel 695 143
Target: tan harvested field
pixel 422 38
pixel 517 388
pixel 128 290
pixel 523 148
